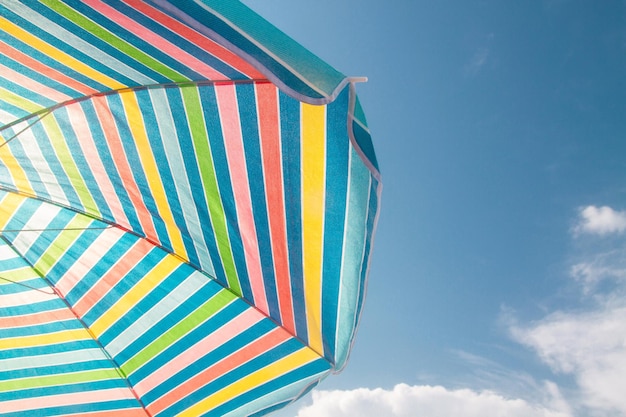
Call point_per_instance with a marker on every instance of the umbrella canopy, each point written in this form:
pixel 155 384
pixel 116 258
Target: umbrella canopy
pixel 187 205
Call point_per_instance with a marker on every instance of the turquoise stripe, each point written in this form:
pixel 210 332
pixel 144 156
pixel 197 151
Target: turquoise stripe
pixel 355 238
pixel 337 151
pixel 291 150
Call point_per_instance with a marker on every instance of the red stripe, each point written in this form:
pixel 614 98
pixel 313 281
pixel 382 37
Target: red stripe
pixel 269 122
pixel 197 39
pixel 36 318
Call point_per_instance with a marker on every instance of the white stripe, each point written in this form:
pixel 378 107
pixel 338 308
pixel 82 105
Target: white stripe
pixel 54 359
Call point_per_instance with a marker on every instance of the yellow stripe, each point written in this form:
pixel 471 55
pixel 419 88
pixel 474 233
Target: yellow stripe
pixel 136 294
pixel 44 339
pixel 15 171
pixel 19 101
pixel 149 164
pixel 58 55
pixel 255 379
pixel 8 206
pixel 313 184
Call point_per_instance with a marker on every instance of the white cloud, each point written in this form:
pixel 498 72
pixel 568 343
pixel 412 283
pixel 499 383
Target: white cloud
pixel 589 343
pixel 427 401
pixel 601 220
pixel 591 346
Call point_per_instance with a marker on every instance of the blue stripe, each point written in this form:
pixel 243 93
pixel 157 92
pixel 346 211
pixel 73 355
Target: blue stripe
pixel 364 142
pixel 254 163
pixel 122 405
pixel 290 137
pixel 371 219
pixel 23 285
pixel 40 329
pixel 48 349
pixel 58 369
pixel 40 307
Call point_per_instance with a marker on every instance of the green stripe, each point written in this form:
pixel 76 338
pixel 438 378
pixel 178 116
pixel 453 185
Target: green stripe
pixel 59 379
pixel 175 333
pixel 62 151
pixel 57 248
pixel 200 139
pixel 113 40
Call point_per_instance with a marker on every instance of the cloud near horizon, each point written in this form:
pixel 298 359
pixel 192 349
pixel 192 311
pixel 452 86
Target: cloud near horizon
pixel 426 401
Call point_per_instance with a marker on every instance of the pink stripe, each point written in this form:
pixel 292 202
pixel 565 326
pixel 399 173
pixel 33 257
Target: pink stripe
pixel 100 174
pixel 233 141
pixel 33 85
pixel 201 41
pixel 156 40
pixel 60 400
pixel 85 263
pixel 214 340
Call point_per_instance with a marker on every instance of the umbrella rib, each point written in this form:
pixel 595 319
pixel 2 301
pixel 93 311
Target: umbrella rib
pixel 69 307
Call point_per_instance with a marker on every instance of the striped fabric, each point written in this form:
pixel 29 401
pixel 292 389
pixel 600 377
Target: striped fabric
pixel 187 206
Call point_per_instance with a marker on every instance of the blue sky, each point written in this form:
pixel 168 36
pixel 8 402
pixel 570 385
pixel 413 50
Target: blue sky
pixel 499 270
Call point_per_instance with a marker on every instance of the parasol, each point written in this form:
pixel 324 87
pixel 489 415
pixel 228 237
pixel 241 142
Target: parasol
pixel 187 205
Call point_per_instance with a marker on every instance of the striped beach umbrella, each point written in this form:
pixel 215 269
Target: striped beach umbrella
pixel 187 204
